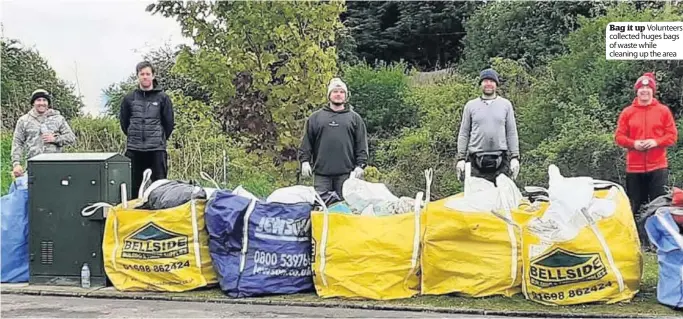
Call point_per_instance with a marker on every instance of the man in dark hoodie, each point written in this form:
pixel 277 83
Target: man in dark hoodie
pixel 335 140
pixel 147 120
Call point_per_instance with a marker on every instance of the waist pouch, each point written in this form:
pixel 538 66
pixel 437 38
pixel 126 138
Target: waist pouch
pixel 488 162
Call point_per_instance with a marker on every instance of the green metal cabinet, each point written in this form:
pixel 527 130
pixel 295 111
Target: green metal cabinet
pixel 61 240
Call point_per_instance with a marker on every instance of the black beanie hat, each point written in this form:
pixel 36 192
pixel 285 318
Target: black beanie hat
pixel 489 74
pixel 41 93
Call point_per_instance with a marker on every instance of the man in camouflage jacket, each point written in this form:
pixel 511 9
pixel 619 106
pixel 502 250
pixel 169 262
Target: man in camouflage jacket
pixel 41 130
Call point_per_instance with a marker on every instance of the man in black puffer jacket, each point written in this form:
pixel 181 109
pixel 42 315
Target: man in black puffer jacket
pixel 147 120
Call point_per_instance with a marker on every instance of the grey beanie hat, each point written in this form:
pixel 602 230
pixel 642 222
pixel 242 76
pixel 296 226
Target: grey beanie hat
pixel 490 74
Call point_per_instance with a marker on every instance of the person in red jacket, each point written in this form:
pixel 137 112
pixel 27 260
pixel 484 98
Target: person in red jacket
pixel 646 128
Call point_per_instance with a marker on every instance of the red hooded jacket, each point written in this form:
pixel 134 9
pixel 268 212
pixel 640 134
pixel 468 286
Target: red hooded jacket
pixel 642 122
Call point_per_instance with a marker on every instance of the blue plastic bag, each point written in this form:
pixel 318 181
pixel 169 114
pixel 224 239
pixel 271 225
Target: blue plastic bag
pixel 259 248
pixel 340 208
pixel 663 232
pixel 14 225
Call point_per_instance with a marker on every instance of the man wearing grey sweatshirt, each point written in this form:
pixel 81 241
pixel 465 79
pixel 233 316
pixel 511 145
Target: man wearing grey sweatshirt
pixel 488 133
pixel 335 141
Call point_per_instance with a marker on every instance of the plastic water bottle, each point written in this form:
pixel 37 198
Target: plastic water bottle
pixel 43 129
pixel 85 276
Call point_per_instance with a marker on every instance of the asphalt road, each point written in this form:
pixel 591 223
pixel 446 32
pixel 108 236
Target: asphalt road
pixel 16 306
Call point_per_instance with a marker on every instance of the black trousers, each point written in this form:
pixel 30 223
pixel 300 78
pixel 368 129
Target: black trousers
pixel 643 188
pixel 324 183
pixel 157 161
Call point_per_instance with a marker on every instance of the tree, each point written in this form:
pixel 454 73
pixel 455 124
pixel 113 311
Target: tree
pixel 25 70
pixel 426 34
pixel 529 32
pixel 346 48
pixel 116 92
pixel 570 112
pixel 566 111
pixel 266 64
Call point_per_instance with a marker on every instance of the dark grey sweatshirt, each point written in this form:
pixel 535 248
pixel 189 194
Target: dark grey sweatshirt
pixel 334 142
pixel 488 126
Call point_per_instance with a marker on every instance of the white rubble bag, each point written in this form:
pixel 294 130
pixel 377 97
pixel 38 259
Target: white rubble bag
pixel 571 203
pixel 480 195
pixel 293 195
pixel 360 194
pixel 240 191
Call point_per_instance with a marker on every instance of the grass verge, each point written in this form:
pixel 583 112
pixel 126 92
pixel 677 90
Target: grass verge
pixel 645 302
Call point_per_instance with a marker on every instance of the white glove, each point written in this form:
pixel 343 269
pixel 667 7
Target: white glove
pixel 514 167
pixel 306 169
pixel 358 172
pixel 460 169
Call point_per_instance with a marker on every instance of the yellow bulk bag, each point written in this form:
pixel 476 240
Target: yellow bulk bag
pixel 602 263
pixel 476 254
pixel 156 250
pixel 372 257
pixel 470 246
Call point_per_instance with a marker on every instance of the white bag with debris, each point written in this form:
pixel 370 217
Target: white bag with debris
pixel 402 205
pixel 293 195
pixel 584 248
pixel 360 194
pixel 572 201
pixel 480 195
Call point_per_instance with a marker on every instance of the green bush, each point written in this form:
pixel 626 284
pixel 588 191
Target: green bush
pixel 6 176
pixel 377 94
pixel 675 156
pixel 431 145
pixel 97 135
pixel 582 148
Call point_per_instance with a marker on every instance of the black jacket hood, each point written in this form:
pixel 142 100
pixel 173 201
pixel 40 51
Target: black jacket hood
pixel 155 87
pixel 347 108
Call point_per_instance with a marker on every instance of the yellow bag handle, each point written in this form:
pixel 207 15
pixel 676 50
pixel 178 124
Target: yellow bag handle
pixel 323 241
pixel 108 212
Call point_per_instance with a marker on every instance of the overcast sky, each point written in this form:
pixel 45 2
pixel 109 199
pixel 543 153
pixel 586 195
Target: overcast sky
pixel 103 38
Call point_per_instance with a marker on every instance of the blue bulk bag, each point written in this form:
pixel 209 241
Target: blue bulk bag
pixel 663 232
pixel 14 236
pixel 259 248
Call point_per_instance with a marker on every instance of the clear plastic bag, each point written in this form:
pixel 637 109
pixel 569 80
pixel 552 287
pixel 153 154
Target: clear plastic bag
pixel 360 194
pixel 480 195
pixel 572 203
